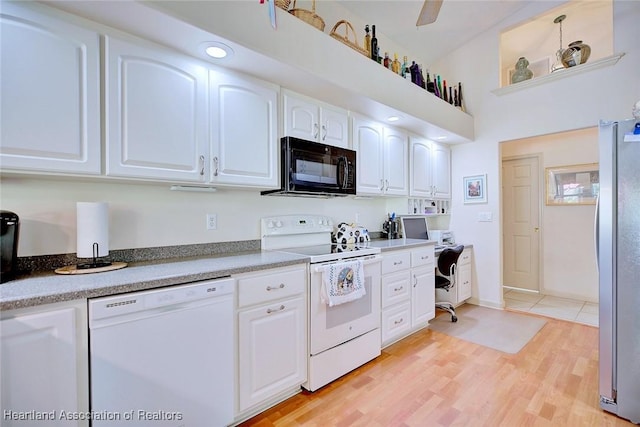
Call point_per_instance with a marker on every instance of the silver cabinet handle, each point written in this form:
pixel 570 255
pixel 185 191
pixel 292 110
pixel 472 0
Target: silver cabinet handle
pixel 315 134
pixel 398 289
pixel 397 322
pixel 215 166
pixel 397 263
pixel 201 165
pixel 415 280
pixel 324 129
pixel 382 185
pixel 275 288
pixel 424 257
pixel 387 182
pixel 269 310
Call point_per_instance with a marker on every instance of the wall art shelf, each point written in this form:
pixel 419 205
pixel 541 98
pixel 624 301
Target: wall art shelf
pixel 560 74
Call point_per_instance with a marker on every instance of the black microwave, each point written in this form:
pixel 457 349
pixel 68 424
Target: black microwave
pixel 313 169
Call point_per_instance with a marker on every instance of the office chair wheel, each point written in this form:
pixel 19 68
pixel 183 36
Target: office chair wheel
pixel 454 319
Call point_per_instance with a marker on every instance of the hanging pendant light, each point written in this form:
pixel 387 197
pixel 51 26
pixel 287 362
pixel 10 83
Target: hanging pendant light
pixel 557 64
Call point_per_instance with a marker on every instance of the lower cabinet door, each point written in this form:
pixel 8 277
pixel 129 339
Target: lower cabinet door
pixel 423 295
pixel 396 322
pixel 464 282
pixel 272 350
pixel 43 372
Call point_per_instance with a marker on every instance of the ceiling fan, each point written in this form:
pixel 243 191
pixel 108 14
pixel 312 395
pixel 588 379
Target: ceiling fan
pixel 429 12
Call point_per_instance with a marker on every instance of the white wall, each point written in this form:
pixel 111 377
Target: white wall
pixel 568 260
pixel 575 102
pixel 143 215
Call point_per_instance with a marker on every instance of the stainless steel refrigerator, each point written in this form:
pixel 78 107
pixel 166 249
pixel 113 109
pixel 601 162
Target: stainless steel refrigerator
pixel 618 245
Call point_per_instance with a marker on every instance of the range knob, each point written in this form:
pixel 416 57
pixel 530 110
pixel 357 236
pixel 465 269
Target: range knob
pixel 270 224
pixel 278 224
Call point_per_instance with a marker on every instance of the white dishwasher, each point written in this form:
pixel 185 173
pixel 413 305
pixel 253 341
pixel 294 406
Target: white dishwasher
pixel 164 357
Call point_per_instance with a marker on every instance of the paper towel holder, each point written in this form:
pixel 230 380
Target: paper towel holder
pixel 94 262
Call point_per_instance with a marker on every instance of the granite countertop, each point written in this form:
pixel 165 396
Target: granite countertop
pixel 394 244
pixel 49 287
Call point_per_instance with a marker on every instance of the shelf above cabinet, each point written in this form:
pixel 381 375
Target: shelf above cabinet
pixel 293 56
pixel 560 74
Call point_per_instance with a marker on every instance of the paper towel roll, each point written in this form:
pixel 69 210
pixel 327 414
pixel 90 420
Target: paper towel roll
pixel 92 227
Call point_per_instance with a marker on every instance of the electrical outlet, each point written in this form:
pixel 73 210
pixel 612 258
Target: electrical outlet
pixel 212 221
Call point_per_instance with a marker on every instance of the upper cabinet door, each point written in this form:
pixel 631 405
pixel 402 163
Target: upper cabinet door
pixel 334 127
pixel 50 89
pixel 315 121
pixel 441 171
pixel 244 131
pixel 368 141
pixel 301 117
pixel 420 183
pixel 396 163
pixel 156 113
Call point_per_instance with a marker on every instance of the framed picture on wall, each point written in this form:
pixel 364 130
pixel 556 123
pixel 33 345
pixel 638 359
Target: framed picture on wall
pixel 572 185
pixel 475 189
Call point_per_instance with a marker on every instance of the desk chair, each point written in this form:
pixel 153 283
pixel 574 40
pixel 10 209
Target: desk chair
pixel 447 265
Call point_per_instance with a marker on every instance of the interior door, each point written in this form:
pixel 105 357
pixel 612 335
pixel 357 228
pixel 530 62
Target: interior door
pixel 521 223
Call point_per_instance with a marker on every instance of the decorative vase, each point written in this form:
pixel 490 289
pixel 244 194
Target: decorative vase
pixel 577 53
pixel 522 73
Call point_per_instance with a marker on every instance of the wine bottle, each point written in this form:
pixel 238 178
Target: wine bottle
pixel 455 98
pixel 421 77
pixel 430 84
pixel 439 88
pixel 386 62
pixel 460 99
pixel 367 40
pixel 404 69
pixel 444 87
pixel 374 44
pixel 395 65
pixel 450 96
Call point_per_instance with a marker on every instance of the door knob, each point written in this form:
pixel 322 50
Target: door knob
pixel 536 229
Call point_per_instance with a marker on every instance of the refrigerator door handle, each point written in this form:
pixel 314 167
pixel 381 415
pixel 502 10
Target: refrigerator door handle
pixel 596 232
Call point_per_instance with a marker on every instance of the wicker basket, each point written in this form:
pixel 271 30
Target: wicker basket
pixel 283 4
pixel 345 39
pixel 308 16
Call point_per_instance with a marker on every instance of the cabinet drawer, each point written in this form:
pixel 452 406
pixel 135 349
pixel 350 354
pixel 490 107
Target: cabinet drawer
pixel 422 257
pixel 270 285
pixel 465 257
pixel 395 288
pixel 396 261
pixel 396 321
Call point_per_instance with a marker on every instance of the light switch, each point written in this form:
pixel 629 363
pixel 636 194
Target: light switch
pixel 485 216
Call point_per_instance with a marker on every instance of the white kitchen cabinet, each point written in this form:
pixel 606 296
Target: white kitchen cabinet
pixel 441 170
pixel 44 364
pixel 382 159
pixel 272 336
pixel 430 169
pixel 408 292
pixel 156 114
pixel 244 131
pixel 316 121
pixel 50 87
pixel 462 289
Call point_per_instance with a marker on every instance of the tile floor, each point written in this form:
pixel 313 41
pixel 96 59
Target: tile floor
pixel 546 305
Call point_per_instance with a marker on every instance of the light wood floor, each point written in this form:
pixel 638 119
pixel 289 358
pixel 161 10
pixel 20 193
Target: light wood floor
pixel 431 379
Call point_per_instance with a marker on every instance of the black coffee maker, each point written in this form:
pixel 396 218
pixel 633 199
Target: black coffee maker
pixel 10 227
pixel 390 227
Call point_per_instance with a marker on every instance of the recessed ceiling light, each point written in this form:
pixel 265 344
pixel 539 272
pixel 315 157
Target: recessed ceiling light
pixel 393 118
pixel 218 50
pixel 441 138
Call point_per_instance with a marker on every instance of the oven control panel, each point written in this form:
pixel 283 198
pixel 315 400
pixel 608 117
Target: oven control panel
pixel 296 224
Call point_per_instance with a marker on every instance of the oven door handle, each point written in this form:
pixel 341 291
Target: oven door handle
pixel 366 261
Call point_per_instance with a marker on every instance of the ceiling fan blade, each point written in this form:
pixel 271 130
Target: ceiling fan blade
pixel 429 12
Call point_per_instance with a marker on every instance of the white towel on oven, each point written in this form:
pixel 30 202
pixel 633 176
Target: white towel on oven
pixel 342 282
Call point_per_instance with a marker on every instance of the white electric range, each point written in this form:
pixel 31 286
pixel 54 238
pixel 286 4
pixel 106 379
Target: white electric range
pixel 341 337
